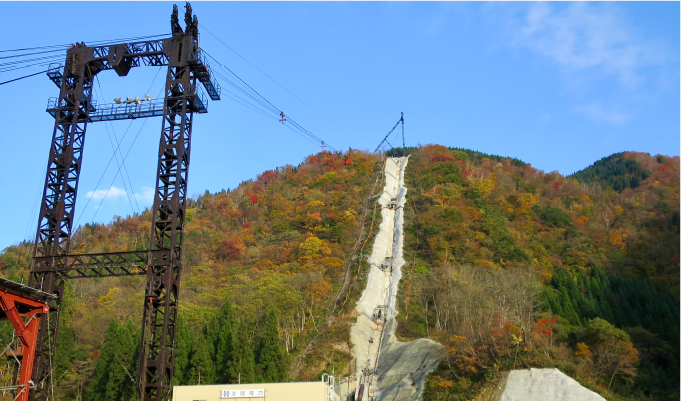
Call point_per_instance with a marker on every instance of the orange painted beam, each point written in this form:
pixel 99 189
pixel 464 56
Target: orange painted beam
pixel 26 332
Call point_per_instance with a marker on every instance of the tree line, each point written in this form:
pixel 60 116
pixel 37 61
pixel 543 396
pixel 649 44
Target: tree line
pixel 225 350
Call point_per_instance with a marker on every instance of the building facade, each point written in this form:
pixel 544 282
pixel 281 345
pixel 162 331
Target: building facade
pixel 308 391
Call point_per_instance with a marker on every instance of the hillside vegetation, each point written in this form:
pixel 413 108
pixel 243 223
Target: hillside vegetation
pixel 508 266
pixel 512 267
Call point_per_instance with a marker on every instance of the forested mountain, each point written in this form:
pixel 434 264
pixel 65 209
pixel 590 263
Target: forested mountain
pixel 617 171
pixel 508 266
pixel 513 267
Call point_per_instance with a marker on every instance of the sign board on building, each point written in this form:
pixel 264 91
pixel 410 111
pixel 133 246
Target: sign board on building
pixel 242 393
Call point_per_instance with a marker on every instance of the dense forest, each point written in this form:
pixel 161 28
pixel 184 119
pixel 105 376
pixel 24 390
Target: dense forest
pixel 512 267
pixel 507 266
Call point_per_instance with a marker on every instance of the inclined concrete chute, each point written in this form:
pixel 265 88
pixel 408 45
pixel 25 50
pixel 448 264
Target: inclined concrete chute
pixel 386 368
pixel 545 385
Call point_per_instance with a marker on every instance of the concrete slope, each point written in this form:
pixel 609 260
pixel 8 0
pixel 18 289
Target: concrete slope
pixel 545 385
pixel 385 368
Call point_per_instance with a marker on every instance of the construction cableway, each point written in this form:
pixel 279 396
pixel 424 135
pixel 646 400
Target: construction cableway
pixel 162 263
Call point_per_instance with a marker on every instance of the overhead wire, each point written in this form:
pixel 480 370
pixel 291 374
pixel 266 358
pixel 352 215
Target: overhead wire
pixel 43 64
pixel 50 60
pixel 29 60
pixel 240 86
pixel 124 158
pixel 9 66
pixel 401 120
pixel 307 137
pixel 96 42
pixel 235 86
pixel 272 108
pixel 244 103
pixel 125 169
pixel 273 80
pixel 297 128
pixel 20 59
pixel 31 54
pixel 24 77
pixel 102 176
pixel 239 78
pixel 111 159
pixel 311 134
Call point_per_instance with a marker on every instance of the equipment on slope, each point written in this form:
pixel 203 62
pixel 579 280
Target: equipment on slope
pixel 385 140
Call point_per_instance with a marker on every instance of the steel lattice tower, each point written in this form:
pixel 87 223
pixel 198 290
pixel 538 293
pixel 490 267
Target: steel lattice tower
pixel 162 263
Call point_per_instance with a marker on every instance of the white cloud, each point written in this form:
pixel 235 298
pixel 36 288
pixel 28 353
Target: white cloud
pixel 585 36
pixel 146 195
pixel 111 193
pixel 598 113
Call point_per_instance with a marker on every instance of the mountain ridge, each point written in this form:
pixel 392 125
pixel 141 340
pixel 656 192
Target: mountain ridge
pixel 286 239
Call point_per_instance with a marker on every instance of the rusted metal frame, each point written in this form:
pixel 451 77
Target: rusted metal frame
pixel 116 115
pixel 112 264
pixel 149 53
pixel 164 259
pixel 204 74
pixel 163 276
pixel 58 205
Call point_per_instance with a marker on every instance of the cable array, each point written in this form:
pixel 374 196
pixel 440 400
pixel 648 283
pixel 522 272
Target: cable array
pixel 241 92
pixel 43 56
pixel 237 89
pixel 385 140
pixel 234 88
pixel 123 158
pixel 116 155
pixel 272 79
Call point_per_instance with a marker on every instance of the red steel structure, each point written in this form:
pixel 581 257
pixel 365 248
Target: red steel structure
pixel 23 307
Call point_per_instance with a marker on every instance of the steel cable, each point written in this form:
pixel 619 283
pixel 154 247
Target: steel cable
pixel 273 80
pixel 96 42
pixel 273 107
pixel 20 78
pixel 226 80
pixel 125 169
pixel 232 72
pixel 111 159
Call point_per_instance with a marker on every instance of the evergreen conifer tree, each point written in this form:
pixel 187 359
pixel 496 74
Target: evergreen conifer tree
pixel 97 388
pixel 271 365
pixel 184 339
pixel 201 367
pixel 242 361
pixel 220 336
pixel 124 366
pixel 66 352
pixel 112 379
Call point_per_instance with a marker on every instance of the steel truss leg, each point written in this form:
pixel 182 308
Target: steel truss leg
pixel 57 207
pixel 163 276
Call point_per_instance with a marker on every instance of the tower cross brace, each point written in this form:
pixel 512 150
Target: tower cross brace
pixel 162 262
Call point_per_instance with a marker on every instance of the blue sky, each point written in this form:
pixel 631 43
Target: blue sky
pixel 558 85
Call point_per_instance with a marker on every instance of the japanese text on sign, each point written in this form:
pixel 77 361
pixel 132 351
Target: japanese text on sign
pixel 242 393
